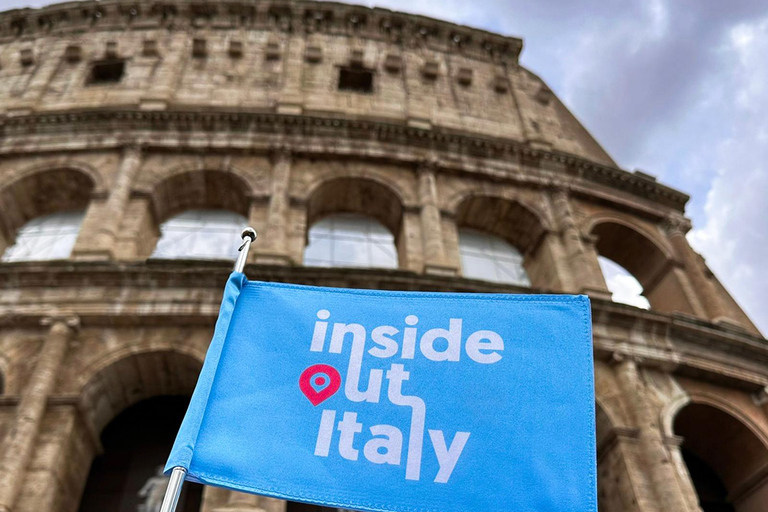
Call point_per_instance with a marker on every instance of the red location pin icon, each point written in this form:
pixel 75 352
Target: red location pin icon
pixel 319 382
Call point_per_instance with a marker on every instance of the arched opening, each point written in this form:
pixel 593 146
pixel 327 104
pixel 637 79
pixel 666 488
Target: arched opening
pixel 50 237
pixel 491 258
pixel 499 240
pixel 624 288
pixel 645 261
pixel 201 234
pixel 127 476
pixel 350 240
pixel 40 214
pixel 354 222
pixel 200 214
pixel 136 402
pixel 727 462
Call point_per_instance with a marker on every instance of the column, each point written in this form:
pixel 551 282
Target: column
pixel 273 246
pixel 31 409
pixel 707 297
pixel 585 270
pixel 98 235
pixel 431 225
pixel 658 465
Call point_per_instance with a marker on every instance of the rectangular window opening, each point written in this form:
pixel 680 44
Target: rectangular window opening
pixel 107 72
pixel 356 80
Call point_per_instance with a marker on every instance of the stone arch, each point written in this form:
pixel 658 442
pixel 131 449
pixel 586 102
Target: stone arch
pixel 356 195
pixel 724 454
pixel 39 192
pixel 644 256
pixel 153 173
pixel 517 222
pixel 514 221
pixel 361 196
pixel 183 190
pixel 123 382
pixel 99 185
pixel 187 189
pixel 405 197
pixel 124 378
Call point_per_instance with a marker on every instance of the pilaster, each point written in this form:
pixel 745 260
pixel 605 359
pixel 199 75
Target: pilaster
pixel 99 232
pixel 705 299
pixel 431 225
pixel 29 413
pixel 656 460
pixel 584 269
pixel 273 248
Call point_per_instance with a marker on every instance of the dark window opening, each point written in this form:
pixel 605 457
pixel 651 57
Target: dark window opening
pixel 356 80
pixel 713 496
pixel 107 72
pixel 127 477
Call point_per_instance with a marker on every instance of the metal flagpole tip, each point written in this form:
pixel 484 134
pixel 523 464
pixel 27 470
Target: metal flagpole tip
pixel 250 233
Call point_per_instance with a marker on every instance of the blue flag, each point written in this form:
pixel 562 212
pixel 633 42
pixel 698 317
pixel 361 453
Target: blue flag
pixel 396 401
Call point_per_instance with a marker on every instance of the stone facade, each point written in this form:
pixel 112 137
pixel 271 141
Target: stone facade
pixel 236 105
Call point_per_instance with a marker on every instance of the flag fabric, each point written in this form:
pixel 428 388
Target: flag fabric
pixel 396 401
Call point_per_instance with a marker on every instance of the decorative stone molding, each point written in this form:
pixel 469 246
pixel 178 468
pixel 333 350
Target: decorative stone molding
pixel 761 397
pixel 615 436
pixel 676 225
pixel 440 140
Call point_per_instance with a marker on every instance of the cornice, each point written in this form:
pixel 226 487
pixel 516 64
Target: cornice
pixel 691 346
pixel 281 16
pixel 283 127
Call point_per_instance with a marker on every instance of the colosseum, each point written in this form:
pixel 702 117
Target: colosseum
pixel 370 149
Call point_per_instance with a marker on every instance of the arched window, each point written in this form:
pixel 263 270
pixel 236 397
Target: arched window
pixel 350 240
pixel 201 234
pixel 623 286
pixel 489 257
pixel 50 237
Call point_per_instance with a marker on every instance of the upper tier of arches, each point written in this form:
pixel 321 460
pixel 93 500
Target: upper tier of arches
pixel 517 233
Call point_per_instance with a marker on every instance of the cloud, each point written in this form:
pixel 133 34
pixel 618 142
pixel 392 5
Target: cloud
pixel 623 286
pixel 735 237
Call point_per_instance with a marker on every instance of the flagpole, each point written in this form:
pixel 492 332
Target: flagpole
pixel 172 493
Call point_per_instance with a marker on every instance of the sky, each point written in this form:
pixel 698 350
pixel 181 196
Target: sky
pixel 676 88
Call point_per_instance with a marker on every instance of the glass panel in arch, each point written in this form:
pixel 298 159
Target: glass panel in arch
pixel 50 237
pixel 489 257
pixel 349 240
pixel 201 234
pixel 623 286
